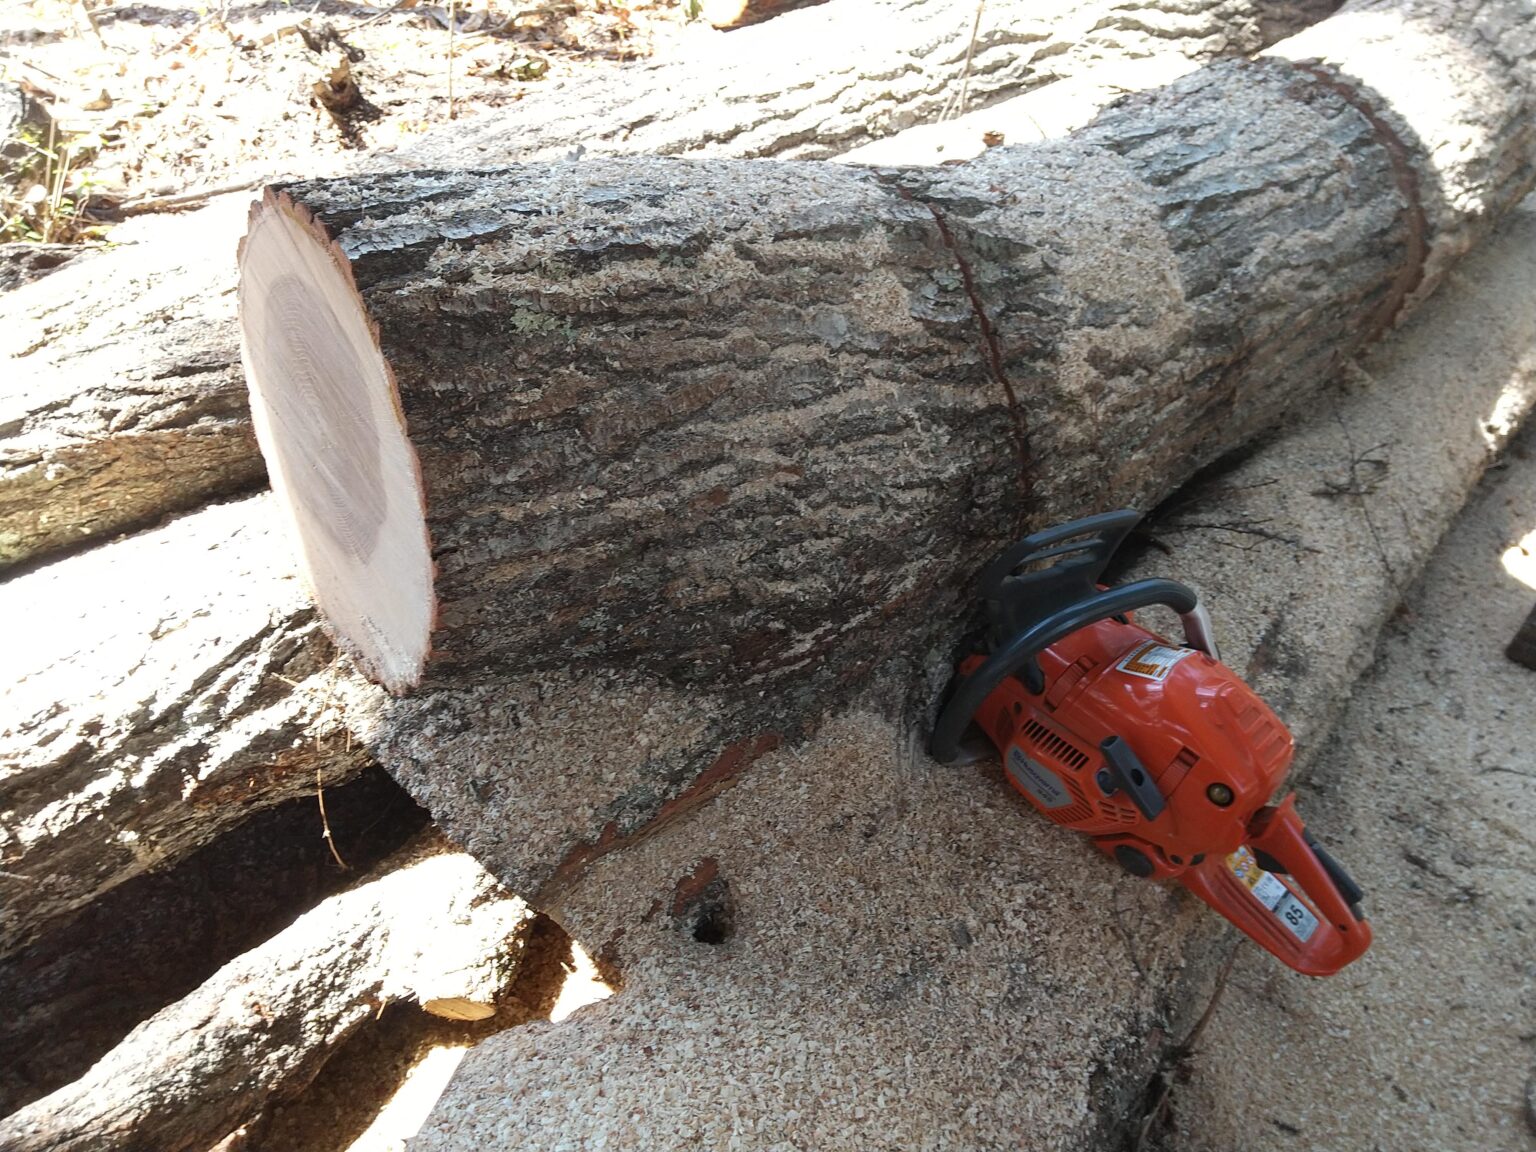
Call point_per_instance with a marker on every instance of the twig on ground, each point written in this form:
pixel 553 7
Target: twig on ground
pixel 1253 528
pixel 957 108
pixel 390 11
pixel 90 18
pixel 325 823
pixel 1179 1055
pixel 182 200
pixel 1358 485
pixel 453 19
pixel 1360 493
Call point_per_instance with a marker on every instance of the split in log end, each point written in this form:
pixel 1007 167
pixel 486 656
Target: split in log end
pixel 327 415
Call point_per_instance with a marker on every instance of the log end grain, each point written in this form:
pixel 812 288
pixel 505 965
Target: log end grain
pixel 327 415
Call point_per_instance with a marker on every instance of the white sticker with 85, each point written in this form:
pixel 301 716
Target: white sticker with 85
pixel 1296 916
pixel 1272 892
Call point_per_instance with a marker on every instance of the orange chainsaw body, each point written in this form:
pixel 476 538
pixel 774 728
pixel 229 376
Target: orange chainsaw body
pixel 1168 761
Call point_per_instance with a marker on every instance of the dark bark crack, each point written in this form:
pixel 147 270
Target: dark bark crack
pixel 992 354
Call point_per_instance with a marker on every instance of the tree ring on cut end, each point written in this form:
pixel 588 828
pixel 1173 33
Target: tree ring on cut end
pixel 327 416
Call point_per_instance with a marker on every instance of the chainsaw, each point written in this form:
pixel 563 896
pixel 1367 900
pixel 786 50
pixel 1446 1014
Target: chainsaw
pixel 1157 751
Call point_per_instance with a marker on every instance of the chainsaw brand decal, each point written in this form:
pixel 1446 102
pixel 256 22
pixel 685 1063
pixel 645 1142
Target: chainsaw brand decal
pixel 1272 892
pixel 1036 779
pixel 1152 661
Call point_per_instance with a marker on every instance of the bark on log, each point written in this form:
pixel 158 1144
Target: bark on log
pixel 114 412
pixel 705 443
pixel 815 83
pixel 120 393
pixel 429 921
pixel 152 693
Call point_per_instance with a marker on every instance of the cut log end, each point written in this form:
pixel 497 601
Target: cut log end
pixel 327 414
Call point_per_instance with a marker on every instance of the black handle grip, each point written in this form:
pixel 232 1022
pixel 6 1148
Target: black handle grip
pixel 1342 880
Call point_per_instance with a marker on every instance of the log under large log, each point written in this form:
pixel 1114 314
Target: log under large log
pixel 154 692
pixel 702 444
pixel 429 925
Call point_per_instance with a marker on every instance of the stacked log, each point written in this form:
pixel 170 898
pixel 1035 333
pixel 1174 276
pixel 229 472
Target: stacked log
pixel 156 691
pixel 430 926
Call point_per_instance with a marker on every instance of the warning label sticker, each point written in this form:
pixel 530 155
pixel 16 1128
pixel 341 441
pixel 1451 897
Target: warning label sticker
pixel 1152 661
pixel 1272 892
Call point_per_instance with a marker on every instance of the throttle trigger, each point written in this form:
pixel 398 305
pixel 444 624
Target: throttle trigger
pixel 1348 887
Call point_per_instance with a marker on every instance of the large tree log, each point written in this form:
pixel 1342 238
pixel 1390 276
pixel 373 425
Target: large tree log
pixel 430 923
pixel 703 444
pixel 152 693
pixel 911 950
pixel 114 411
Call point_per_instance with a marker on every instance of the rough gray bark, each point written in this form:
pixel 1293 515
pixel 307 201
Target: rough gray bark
pixel 428 920
pixel 814 83
pixel 706 443
pixel 90 979
pixel 121 397
pixel 152 693
pixel 114 411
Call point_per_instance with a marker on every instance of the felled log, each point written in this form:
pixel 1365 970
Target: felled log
pixel 120 390
pixel 817 82
pixel 152 693
pixel 702 444
pixel 430 924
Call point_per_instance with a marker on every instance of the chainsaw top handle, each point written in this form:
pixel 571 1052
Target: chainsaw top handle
pixel 974 689
pixel 1030 611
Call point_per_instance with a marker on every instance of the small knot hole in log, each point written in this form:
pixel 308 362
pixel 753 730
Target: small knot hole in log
pixel 328 418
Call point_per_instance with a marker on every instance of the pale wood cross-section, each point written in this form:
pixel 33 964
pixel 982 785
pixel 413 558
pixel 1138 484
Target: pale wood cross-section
pixel 328 419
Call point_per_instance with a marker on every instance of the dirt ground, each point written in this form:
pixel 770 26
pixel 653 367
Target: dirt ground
pixel 156 100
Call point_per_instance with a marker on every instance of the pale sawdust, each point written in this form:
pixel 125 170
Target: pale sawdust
pixel 1428 790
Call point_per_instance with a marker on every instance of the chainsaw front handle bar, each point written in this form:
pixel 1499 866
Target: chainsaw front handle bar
pixel 1024 647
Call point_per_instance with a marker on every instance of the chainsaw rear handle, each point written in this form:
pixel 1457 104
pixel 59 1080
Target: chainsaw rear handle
pixel 1040 635
pixel 1282 846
